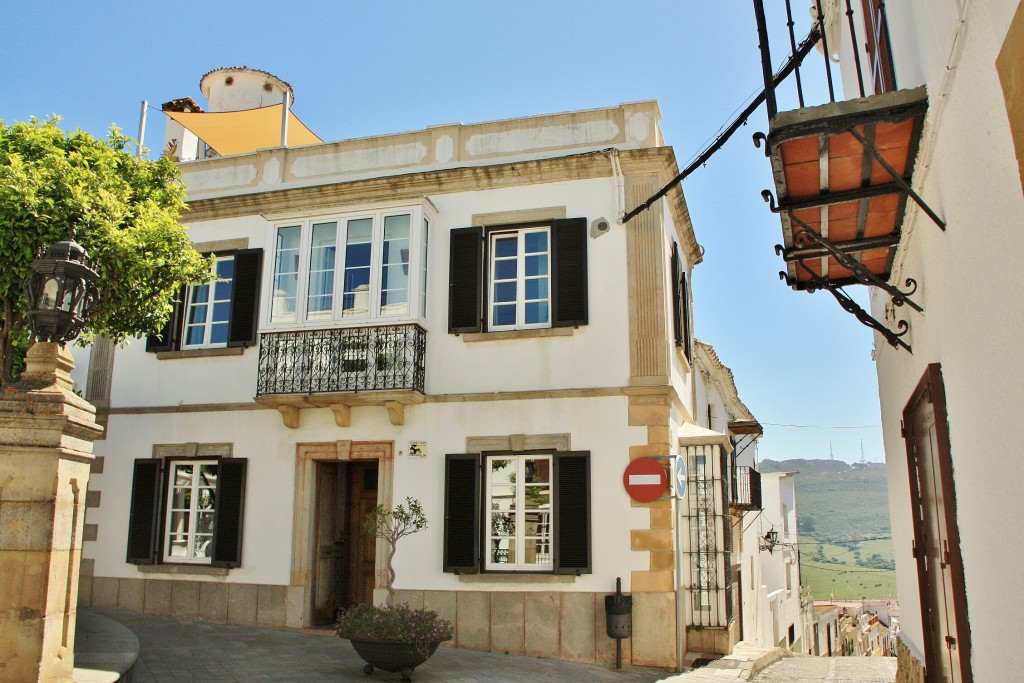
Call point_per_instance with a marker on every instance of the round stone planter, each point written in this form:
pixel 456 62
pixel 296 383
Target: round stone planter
pixel 392 655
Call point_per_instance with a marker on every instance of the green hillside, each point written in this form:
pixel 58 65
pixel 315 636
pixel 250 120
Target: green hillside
pixel 843 518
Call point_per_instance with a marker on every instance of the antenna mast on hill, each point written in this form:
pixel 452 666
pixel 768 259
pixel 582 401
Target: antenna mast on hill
pixel 862 460
pixel 831 455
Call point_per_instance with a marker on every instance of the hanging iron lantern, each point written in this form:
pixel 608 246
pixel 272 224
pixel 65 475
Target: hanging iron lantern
pixel 61 291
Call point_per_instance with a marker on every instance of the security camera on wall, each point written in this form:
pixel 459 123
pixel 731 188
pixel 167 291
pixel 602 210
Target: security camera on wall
pixel 599 226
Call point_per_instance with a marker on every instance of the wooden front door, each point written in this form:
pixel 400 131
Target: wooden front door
pixel 936 533
pixel 362 498
pixel 344 564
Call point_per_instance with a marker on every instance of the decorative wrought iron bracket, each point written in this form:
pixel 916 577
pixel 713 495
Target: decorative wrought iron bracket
pixel 760 137
pixel 904 185
pixel 850 306
pixel 805 236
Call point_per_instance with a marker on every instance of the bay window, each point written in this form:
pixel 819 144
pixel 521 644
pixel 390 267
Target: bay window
pixel 350 267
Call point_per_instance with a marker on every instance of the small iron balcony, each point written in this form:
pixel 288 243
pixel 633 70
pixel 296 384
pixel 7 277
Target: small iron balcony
pixel 343 367
pixel 746 489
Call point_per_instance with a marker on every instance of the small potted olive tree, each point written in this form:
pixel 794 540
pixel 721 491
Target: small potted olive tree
pixel 392 637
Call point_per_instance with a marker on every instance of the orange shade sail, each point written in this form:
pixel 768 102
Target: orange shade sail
pixel 240 132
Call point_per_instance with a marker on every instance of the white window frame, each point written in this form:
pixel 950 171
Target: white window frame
pixel 191 533
pixel 419 218
pixel 210 304
pixel 521 277
pixel 521 538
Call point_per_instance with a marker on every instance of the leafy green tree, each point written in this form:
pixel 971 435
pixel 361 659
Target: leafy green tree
pixel 125 212
pixel 392 526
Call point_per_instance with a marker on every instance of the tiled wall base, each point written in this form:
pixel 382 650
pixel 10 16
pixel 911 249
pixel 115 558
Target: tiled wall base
pixel 225 603
pixel 556 625
pixel 909 669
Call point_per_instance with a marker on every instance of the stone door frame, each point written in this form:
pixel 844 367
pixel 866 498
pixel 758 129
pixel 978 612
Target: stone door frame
pixel 300 596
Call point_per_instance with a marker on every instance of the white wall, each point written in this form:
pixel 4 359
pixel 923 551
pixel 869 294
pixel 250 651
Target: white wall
pixel 596 355
pixel 778 491
pixel 596 425
pixel 971 286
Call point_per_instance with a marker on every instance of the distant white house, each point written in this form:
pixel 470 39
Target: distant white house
pixel 765 586
pixel 453 314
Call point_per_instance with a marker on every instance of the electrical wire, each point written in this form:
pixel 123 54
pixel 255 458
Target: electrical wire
pixel 863 540
pixel 780 424
pixel 848 570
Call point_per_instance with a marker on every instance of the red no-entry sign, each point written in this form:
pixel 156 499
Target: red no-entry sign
pixel 645 480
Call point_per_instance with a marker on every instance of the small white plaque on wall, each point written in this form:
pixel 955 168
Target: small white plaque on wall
pixel 417 449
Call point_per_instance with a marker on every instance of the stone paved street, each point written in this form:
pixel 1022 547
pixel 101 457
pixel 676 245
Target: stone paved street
pixel 180 651
pixel 832 669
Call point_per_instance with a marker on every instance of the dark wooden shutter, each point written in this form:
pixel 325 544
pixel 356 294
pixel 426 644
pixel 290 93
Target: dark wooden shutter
pixel 245 297
pixel 170 336
pixel 569 276
pixel 465 280
pixel 684 296
pixel 227 517
pixel 462 513
pixel 144 514
pixel 677 296
pixel 572 512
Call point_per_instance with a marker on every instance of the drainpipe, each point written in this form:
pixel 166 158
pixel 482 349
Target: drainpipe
pixel 284 118
pixel 142 127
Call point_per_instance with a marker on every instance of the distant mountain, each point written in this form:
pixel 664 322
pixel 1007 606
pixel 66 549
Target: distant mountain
pixel 843 518
pixel 837 501
pixel 804 466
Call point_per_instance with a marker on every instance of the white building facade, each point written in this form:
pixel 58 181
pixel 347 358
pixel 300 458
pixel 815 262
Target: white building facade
pixel 452 315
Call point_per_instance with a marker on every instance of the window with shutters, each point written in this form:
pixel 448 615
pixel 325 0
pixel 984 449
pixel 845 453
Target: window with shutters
pixel 517 512
pixel 350 267
pixel 518 277
pixel 187 511
pixel 221 313
pixel 680 303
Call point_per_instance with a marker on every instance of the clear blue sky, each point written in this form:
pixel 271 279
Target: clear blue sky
pixel 368 68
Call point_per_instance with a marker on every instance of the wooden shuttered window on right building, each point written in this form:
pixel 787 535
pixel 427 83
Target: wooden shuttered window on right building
pixel 680 303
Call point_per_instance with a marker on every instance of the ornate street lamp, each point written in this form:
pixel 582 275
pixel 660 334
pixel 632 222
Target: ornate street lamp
pixel 770 541
pixel 61 292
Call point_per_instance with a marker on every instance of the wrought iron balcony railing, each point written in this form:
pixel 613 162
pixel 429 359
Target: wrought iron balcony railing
pixel 746 489
pixel 347 359
pixel 857 30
